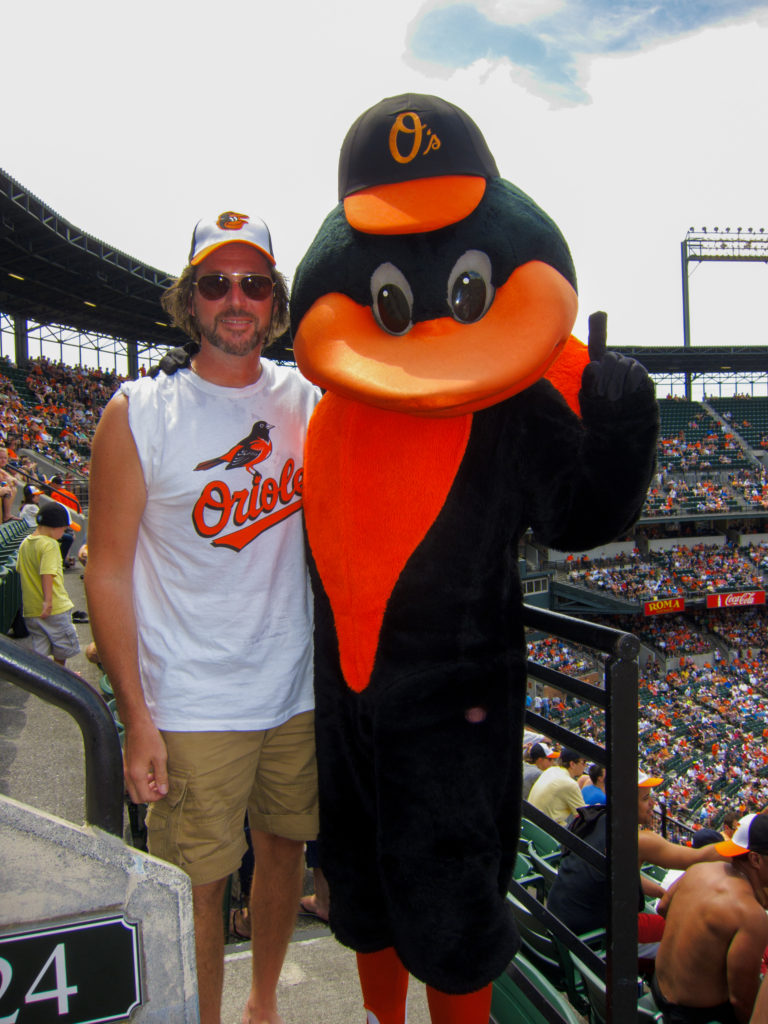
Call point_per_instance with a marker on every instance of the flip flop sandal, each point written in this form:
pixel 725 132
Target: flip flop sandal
pixel 239 933
pixel 306 912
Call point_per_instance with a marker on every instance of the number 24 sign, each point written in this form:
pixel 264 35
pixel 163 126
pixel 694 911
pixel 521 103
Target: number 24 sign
pixel 80 973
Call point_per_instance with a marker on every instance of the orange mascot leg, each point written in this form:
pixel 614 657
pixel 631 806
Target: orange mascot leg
pixel 473 1008
pixel 384 982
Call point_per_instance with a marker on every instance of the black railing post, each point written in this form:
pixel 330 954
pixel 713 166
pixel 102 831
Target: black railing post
pixel 621 736
pixel 619 702
pixel 103 758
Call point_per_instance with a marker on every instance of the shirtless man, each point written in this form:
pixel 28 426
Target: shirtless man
pixel 708 964
pixel 579 894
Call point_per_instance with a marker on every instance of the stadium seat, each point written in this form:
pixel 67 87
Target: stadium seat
pixel 544 843
pixel 547 956
pixel 525 875
pixel 519 993
pixel 654 871
pixel 647 1011
pixel 545 866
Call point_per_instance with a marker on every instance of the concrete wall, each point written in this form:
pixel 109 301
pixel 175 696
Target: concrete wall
pixel 665 543
pixel 607 551
pixel 54 872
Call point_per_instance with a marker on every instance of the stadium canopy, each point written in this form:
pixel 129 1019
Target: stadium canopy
pixel 52 272
pixel 714 359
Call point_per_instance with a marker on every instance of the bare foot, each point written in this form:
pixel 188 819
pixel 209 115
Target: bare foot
pixel 252 1015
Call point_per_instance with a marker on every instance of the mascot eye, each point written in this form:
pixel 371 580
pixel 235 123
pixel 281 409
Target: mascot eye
pixel 392 299
pixel 470 291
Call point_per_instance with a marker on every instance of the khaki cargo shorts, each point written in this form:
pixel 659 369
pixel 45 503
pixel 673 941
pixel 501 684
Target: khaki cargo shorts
pixel 214 777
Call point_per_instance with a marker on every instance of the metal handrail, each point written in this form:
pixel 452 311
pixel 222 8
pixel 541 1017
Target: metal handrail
pixel 103 758
pixel 619 699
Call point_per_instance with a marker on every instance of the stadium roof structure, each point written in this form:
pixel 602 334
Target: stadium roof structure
pixel 52 272
pixel 712 359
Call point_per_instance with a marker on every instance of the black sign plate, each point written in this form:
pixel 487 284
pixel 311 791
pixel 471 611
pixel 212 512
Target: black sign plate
pixel 80 973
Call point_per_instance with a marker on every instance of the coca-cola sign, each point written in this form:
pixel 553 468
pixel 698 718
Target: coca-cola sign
pixel 735 600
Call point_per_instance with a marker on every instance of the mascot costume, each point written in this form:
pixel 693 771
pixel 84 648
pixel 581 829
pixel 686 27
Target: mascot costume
pixel 435 307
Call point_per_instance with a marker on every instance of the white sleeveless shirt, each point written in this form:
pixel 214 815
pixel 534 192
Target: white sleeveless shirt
pixel 221 591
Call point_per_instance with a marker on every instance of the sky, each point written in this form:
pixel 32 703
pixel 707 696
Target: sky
pixel 628 121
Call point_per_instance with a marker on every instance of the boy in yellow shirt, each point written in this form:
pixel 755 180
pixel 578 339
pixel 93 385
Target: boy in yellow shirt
pixel 46 604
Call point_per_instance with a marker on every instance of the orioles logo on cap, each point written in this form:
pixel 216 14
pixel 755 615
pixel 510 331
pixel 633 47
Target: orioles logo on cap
pixel 231 221
pixel 410 124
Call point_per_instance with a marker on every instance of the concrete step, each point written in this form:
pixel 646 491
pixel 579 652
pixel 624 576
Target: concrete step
pixel 319 984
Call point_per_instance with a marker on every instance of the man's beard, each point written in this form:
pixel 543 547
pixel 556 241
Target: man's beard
pixel 244 346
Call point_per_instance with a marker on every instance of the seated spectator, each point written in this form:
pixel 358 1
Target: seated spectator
pixel 64 497
pixel 594 791
pixel 9 486
pixel 708 965
pixel 30 508
pixel 579 894
pixel 730 824
pixel 539 759
pixel 705 837
pixel 556 792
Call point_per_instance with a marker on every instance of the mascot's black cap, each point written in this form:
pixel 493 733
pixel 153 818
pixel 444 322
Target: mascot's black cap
pixel 412 163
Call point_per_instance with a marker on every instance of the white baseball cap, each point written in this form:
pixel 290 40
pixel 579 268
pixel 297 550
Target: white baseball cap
pixel 647 781
pixel 230 226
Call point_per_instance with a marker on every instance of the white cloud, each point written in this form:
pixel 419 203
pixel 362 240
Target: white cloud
pixel 133 121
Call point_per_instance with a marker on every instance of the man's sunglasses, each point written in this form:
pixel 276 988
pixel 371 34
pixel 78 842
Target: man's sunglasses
pixel 256 287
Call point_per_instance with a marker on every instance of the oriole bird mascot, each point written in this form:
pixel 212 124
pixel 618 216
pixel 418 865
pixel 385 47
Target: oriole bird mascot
pixel 432 306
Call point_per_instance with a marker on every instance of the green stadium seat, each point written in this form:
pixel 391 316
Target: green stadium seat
pixel 545 866
pixel 541 949
pixel 544 843
pixel 511 1005
pixel 647 1011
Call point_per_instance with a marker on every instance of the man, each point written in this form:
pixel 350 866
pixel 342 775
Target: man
pixel 593 792
pixel 708 965
pixel 539 759
pixel 59 493
pixel 579 893
pixel 730 824
pixel 556 791
pixel 200 602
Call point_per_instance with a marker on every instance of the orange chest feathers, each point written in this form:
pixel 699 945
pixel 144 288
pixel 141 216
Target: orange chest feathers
pixel 375 481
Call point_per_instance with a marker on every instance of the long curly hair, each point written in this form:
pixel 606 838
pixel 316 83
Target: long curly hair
pixel 177 303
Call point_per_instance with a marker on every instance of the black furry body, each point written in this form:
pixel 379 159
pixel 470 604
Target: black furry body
pixel 420 807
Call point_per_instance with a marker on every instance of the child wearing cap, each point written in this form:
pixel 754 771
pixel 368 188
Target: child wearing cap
pixel 47 607
pixel 31 506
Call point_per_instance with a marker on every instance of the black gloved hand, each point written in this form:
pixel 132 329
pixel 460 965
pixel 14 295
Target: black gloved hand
pixel 173 360
pixel 609 375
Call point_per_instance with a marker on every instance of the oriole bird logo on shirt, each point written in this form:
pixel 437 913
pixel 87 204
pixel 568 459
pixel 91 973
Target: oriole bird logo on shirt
pixel 247 453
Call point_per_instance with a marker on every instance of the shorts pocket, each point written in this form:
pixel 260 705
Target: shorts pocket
pixel 164 820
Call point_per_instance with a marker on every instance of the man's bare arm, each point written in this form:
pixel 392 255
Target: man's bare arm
pixel 651 887
pixel 743 961
pixel 118 496
pixel 652 848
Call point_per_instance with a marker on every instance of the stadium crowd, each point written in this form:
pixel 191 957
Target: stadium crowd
pixel 702 726
pixel 680 571
pixel 58 412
